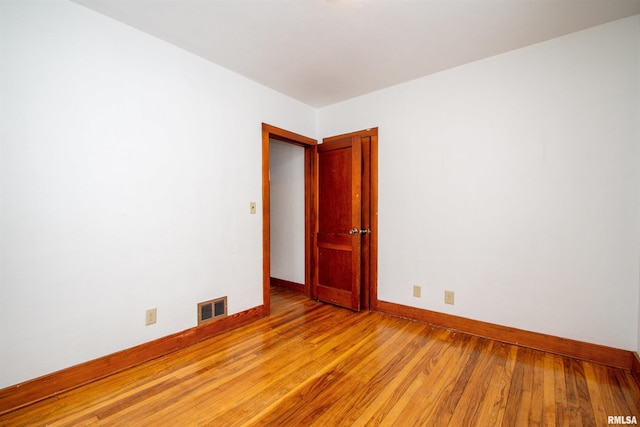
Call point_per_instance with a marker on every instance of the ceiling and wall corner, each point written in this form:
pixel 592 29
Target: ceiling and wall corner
pixel 322 52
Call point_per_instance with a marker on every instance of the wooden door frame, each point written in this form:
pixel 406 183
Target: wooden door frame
pixel 370 282
pixel 310 185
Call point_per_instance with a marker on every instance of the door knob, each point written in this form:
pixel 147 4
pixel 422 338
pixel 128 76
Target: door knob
pixel 356 231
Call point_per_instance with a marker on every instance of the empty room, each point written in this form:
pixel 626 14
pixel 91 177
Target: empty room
pixel 320 212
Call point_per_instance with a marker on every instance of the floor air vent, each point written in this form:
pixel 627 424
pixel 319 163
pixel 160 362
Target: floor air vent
pixel 211 310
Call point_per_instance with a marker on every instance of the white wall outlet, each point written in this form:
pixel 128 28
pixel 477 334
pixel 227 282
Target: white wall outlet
pixel 150 317
pixel 252 208
pixel 448 297
pixel 417 291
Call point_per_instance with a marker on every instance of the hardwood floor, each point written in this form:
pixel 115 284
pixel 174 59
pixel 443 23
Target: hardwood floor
pixel 315 364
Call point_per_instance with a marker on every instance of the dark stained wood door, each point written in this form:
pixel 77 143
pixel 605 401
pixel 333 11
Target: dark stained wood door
pixel 338 241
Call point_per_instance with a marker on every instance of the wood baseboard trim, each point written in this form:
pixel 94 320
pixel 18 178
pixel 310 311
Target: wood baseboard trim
pixel 28 392
pixel 563 346
pixel 292 286
pixel 635 367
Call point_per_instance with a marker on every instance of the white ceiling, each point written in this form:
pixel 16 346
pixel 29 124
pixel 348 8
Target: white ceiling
pixel 325 51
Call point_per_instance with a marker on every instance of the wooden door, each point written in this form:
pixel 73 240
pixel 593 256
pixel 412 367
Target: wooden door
pixel 338 241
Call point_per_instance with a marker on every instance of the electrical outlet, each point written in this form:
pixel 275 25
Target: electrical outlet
pixel 252 208
pixel 150 316
pixel 448 297
pixel 417 291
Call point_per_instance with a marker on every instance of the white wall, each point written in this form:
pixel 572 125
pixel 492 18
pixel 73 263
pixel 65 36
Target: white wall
pixel 638 342
pixel 287 211
pixel 513 181
pixel 127 168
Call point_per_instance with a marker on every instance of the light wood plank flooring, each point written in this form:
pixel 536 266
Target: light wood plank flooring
pixel 314 364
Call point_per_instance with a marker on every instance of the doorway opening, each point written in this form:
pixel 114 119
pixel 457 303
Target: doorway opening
pixel 286 166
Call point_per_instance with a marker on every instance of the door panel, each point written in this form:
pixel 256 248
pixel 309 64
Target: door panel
pixel 339 210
